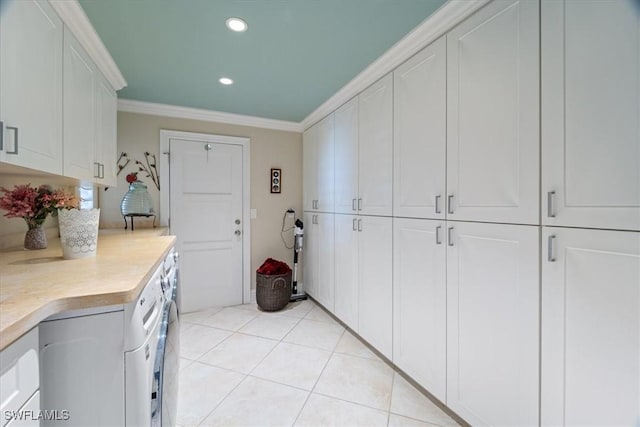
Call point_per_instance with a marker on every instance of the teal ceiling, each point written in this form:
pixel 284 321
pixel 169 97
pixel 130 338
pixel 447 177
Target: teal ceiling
pixel 295 55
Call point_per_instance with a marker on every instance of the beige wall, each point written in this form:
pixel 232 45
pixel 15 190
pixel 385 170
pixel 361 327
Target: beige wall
pixel 138 133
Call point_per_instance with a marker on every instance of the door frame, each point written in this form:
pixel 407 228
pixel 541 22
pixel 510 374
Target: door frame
pixel 165 139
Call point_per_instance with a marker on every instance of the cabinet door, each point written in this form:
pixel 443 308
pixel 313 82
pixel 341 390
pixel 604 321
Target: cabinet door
pixel 493 115
pixel 106 132
pixel 324 272
pixel 375 148
pixel 590 114
pixel 324 166
pixel 375 288
pixel 79 107
pixel 492 323
pixel 310 254
pixel 309 168
pixel 346 157
pixel 31 85
pixel 346 269
pixel 590 327
pixel 420 302
pixel 420 134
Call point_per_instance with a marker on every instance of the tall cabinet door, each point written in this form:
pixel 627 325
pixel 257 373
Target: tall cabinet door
pixel 492 323
pixel 493 115
pixel 79 106
pixel 346 269
pixel 31 85
pixel 375 289
pixel 590 114
pixel 310 254
pixel 345 134
pixel 309 168
pixel 420 302
pixel 106 132
pixel 325 247
pixel 420 134
pixel 375 148
pixel 325 169
pixel 590 327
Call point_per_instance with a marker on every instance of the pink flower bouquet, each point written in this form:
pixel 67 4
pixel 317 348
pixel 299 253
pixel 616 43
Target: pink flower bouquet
pixel 35 204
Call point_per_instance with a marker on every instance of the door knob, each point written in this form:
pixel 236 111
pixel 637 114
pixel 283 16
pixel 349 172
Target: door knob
pixel 237 232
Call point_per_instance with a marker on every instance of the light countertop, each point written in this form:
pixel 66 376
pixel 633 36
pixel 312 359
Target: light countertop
pixel 37 284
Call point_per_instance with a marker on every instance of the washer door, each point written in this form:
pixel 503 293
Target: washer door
pixel 165 400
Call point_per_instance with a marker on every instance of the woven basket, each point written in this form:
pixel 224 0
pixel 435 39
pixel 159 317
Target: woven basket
pixel 273 292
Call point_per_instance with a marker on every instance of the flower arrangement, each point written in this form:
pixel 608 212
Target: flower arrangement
pixel 35 204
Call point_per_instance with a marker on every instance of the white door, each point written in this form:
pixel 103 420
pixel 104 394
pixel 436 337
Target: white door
pixel 310 254
pixel 492 323
pixel 493 115
pixel 324 165
pixel 420 133
pixel 590 114
pixel 375 148
pixel 420 302
pixel 590 327
pixel 31 95
pixel 345 134
pixel 346 269
pixel 206 217
pixel 324 272
pixel 310 168
pixel 375 282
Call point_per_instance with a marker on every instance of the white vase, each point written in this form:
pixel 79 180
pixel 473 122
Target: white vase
pixel 78 232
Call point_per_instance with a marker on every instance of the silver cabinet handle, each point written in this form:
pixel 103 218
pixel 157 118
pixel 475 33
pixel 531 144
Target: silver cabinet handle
pixel 355 225
pixel 450 203
pixel 353 204
pixel 101 171
pixel 15 144
pixel 550 210
pixel 96 170
pixel 550 256
pixel 317 204
pixel 359 225
pixel 438 240
pixel 1 135
pixel 450 236
pixel 314 206
pixel 437 203
pixel 359 204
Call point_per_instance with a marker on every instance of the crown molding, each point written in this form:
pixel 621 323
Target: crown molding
pixel 76 19
pixel 446 17
pixel 132 106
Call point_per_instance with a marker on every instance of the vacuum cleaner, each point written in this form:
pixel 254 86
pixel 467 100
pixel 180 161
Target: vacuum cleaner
pixel 296 294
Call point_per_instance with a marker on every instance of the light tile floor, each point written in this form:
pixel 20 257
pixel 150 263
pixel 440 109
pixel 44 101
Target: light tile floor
pixel 298 367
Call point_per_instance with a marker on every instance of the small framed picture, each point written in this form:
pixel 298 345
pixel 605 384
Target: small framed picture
pixel 276 180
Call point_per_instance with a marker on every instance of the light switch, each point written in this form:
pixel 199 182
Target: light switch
pixel 254 213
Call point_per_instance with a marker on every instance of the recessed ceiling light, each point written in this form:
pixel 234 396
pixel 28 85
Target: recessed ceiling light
pixel 226 81
pixel 237 24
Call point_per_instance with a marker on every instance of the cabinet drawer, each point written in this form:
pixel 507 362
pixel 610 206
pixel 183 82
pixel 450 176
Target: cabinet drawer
pixel 19 372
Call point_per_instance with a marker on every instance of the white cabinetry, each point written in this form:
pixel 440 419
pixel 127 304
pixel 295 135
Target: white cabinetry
pixel 346 157
pixel 492 323
pixel 319 279
pixel 590 114
pixel 346 269
pixel 19 382
pixel 493 115
pixel 375 148
pixel 420 132
pixel 106 146
pixel 375 265
pixel 31 86
pixel 590 327
pixel 79 108
pixel 318 166
pixel 420 302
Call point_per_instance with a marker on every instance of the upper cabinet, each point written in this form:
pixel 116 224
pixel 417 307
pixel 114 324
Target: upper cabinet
pixel 317 162
pixel 493 115
pixel 345 133
pixel 375 148
pixel 420 132
pixel 106 146
pixel 31 86
pixel 590 114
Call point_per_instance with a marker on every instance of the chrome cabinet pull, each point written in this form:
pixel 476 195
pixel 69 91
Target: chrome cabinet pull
pixel 96 170
pixel 1 135
pixel 438 240
pixel 359 204
pixel 101 171
pixel 355 224
pixel 450 203
pixel 550 210
pixel 360 225
pixel 15 144
pixel 353 204
pixel 450 236
pixel 550 241
pixel 437 203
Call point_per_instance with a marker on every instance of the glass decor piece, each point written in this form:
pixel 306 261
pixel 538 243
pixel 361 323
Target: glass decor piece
pixel 137 201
